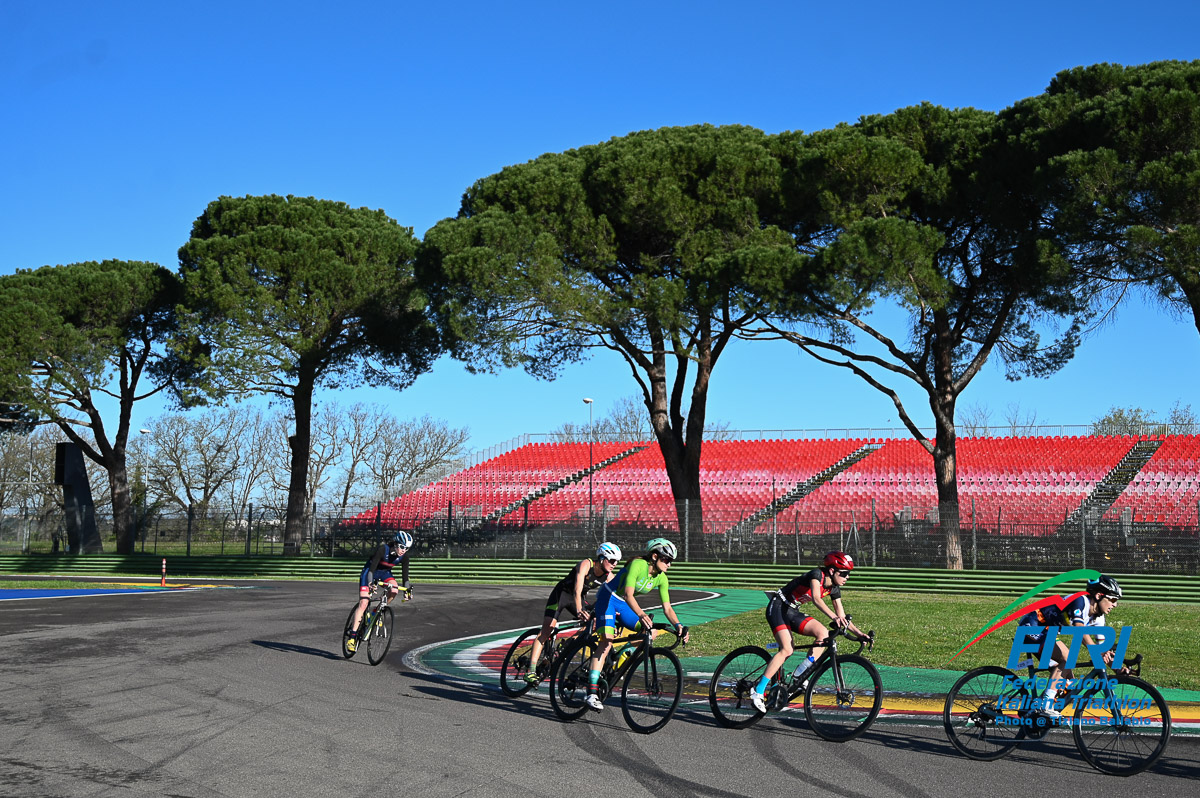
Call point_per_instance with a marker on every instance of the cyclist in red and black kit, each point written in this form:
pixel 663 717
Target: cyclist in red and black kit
pixel 785 617
pixel 386 557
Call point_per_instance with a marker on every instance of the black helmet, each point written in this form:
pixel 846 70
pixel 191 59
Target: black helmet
pixel 1106 586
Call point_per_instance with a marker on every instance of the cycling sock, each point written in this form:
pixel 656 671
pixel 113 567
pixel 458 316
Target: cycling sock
pixel 593 680
pixel 761 687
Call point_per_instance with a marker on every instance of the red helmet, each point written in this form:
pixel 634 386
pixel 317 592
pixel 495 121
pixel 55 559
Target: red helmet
pixel 839 560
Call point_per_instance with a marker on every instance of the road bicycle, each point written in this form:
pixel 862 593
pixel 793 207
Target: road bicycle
pixel 1121 724
pixel 517 661
pixel 842 692
pixel 650 676
pixel 375 630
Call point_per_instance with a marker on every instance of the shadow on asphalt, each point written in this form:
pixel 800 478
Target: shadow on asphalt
pixel 292 648
pixel 485 695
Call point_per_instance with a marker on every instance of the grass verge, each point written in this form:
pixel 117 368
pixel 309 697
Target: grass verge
pixel 925 631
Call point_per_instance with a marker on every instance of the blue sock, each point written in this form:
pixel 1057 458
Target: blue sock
pixel 761 687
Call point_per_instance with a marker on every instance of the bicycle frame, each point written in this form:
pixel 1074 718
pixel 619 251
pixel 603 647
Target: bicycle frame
pixel 789 688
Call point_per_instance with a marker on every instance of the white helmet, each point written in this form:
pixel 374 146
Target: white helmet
pixel 609 551
pixel 662 547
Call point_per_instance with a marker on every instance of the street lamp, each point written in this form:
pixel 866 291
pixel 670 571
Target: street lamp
pixel 591 435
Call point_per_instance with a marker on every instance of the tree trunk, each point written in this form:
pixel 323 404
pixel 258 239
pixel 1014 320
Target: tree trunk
pixel 299 443
pixel 122 507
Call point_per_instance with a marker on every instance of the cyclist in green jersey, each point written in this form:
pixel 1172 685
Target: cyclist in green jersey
pixel 617 606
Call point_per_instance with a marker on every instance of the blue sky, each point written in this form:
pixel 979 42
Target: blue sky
pixel 123 120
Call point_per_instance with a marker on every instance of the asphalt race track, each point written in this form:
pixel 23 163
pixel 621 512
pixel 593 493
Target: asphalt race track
pixel 244 692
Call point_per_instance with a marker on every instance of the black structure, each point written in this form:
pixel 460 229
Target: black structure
pixel 78 509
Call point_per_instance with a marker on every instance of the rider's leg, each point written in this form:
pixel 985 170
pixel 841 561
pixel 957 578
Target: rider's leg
pixel 548 625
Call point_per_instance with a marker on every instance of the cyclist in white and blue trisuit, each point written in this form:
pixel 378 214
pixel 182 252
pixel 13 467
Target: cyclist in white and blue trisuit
pixel 585 575
pixel 1087 609
pixel 386 557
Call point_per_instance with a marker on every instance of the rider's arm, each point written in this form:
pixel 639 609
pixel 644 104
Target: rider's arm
pixel 668 610
pixel 819 602
pixel 627 593
pixel 377 557
pixel 580 575
pixel 841 611
pixel 404 571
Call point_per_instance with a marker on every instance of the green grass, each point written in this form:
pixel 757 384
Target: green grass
pixel 59 584
pixel 925 631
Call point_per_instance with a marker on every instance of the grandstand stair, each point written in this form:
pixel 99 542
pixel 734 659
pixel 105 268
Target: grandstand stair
pixel 803 489
pixel 533 496
pixel 1114 483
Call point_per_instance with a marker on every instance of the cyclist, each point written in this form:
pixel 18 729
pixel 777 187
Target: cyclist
pixel 1089 608
pixel 616 604
pixel 582 578
pixel 386 557
pixel 785 617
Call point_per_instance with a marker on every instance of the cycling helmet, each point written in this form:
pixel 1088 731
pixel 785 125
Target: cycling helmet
pixel 609 551
pixel 402 539
pixel 662 547
pixel 838 560
pixel 1106 586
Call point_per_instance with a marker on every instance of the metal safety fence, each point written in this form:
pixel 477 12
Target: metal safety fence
pixel 912 537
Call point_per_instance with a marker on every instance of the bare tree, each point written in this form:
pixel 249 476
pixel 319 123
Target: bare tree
pixel 186 459
pixel 250 428
pixel 410 451
pixel 362 425
pixel 975 420
pixel 626 420
pixel 1020 422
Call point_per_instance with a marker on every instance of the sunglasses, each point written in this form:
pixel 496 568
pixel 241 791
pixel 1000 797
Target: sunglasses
pixel 612 560
pixel 843 574
pixel 667 560
pixel 1111 599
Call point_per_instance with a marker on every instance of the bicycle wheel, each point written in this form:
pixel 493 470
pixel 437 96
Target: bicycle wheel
pixel 517 664
pixel 568 685
pixel 651 691
pixel 842 712
pixel 380 636
pixel 1124 733
pixel 732 681
pixel 346 652
pixel 981 713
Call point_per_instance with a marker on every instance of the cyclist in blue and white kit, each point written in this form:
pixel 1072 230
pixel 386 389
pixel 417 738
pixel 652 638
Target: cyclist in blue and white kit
pixel 1089 608
pixel 386 557
pixel 617 606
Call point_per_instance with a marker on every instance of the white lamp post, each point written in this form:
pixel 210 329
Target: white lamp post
pixel 591 435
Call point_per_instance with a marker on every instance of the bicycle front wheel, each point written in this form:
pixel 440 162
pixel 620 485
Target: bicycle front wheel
pixel 840 710
pixel 517 664
pixel 347 652
pixel 651 691
pixel 568 685
pixel 981 713
pixel 380 636
pixel 1125 731
pixel 732 681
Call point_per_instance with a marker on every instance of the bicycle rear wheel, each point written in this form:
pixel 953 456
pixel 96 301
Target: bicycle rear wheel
pixel 517 664
pixel 380 636
pixel 841 712
pixel 732 681
pixel 651 691
pixel 1128 733
pixel 346 651
pixel 981 713
pixel 568 685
